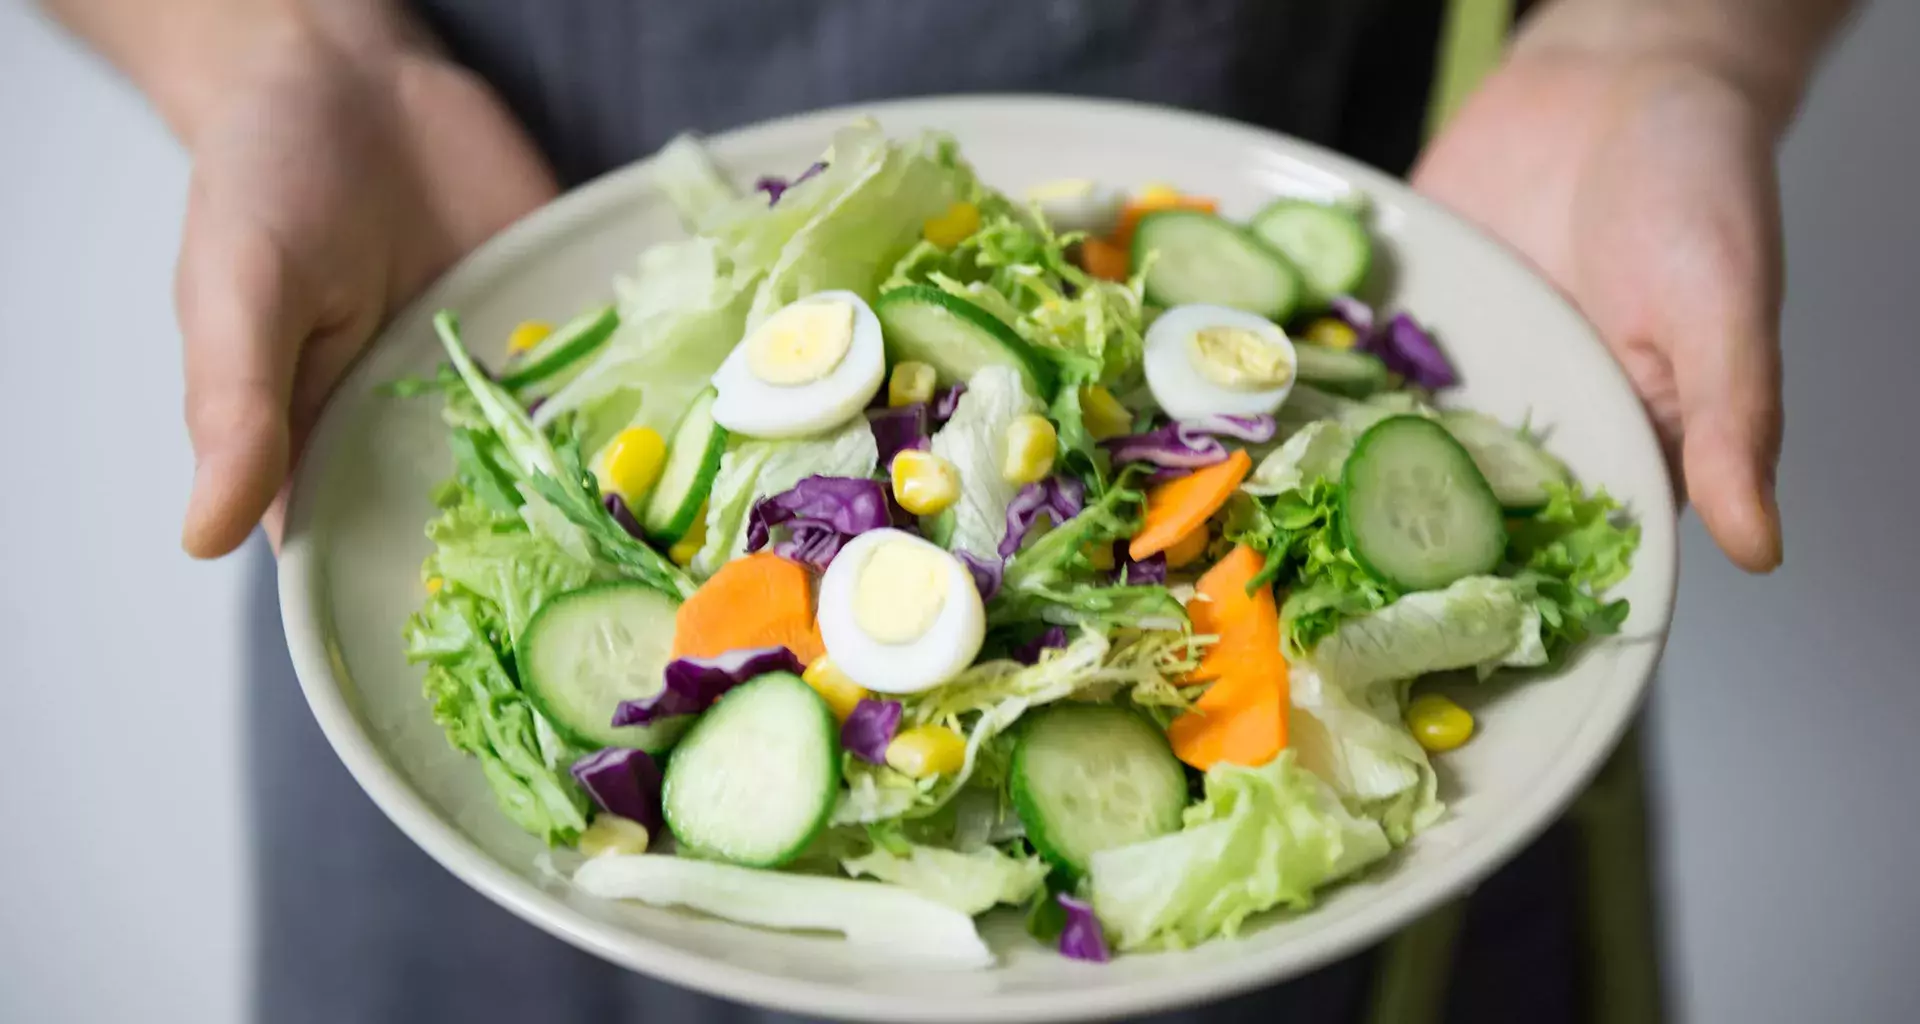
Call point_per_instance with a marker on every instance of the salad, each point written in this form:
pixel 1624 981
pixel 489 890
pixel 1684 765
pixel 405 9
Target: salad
pixel 892 550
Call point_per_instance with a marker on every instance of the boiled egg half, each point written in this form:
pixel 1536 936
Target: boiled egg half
pixel 900 614
pixel 1078 204
pixel 1205 360
pixel 809 367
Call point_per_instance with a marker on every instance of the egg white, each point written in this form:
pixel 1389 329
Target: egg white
pixel 943 651
pixel 1179 387
pixel 1078 206
pixel 749 406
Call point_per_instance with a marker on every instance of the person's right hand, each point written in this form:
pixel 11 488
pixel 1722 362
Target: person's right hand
pixel 327 190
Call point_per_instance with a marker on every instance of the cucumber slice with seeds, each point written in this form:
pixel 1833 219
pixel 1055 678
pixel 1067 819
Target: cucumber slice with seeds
pixel 560 356
pixel 1198 257
pixel 589 649
pixel 1327 244
pixel 1414 509
pixel 693 460
pixel 1087 777
pixel 955 337
pixel 1518 470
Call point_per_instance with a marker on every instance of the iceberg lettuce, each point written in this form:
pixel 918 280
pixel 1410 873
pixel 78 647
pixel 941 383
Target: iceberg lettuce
pixel 972 441
pixel 759 469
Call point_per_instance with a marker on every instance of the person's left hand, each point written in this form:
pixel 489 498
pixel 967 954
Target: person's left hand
pixel 1645 189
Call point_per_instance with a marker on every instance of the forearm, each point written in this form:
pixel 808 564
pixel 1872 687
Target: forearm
pixel 1769 48
pixel 185 54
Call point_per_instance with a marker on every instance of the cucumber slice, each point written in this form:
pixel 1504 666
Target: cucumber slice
pixel 1088 777
pixel 1518 470
pixel 1202 258
pixel 693 460
pixel 1341 371
pixel 955 337
pixel 563 354
pixel 1327 244
pixel 755 780
pixel 1414 509
pixel 589 649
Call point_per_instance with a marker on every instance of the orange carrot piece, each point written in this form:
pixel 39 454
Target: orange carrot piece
pixel 1140 206
pixel 1250 731
pixel 762 600
pixel 1177 507
pixel 1105 260
pixel 1248 625
pixel 1242 717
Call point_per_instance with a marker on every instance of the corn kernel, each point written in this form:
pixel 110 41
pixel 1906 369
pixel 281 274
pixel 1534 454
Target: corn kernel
pixel 954 226
pixel 1031 444
pixel 435 584
pixel 527 335
pixel 612 834
pixel 927 750
pixel 1188 548
pixel 1157 194
pixel 1103 414
pixel 1330 333
pixel 633 463
pixel 911 382
pixel 1439 724
pixel 924 483
pixel 841 694
pixel 1099 555
pixel 692 541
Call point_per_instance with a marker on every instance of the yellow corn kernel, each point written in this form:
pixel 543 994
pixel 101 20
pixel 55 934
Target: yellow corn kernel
pixel 1438 723
pixel 924 483
pixel 1330 333
pixel 841 694
pixel 911 382
pixel 527 335
pixel 610 833
pixel 1157 194
pixel 927 750
pixel 435 584
pixel 1188 548
pixel 1103 414
pixel 1031 445
pixel 1099 555
pixel 954 226
pixel 633 463
pixel 692 541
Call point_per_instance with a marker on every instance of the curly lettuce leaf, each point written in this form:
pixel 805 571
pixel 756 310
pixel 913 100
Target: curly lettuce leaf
pixel 1298 532
pixel 1568 555
pixel 1264 837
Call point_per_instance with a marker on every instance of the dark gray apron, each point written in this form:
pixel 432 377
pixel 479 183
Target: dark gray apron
pixel 357 925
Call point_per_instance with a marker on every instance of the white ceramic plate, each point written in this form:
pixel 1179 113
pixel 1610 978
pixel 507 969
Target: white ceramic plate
pixel 349 574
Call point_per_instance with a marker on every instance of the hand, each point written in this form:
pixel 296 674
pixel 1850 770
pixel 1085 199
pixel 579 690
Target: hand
pixel 1645 189
pixel 326 192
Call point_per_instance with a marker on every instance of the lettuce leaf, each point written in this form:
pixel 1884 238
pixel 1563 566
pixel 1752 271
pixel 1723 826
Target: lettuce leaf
pixel 1298 532
pixel 1317 450
pixel 972 440
pixel 1359 743
pixel 757 469
pixel 1481 622
pixel 969 882
pixel 1566 556
pixel 1264 837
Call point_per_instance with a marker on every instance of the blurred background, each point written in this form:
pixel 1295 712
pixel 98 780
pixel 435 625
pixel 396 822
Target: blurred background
pixel 1785 728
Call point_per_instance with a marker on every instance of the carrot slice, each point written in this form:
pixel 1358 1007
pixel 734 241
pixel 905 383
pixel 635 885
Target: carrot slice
pixel 1242 717
pixel 761 600
pixel 1251 731
pixel 1154 202
pixel 1104 259
pixel 1248 625
pixel 1177 507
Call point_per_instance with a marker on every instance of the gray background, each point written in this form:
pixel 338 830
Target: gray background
pixel 1786 730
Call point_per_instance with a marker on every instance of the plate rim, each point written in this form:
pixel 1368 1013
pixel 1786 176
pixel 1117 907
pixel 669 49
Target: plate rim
pixel 303 590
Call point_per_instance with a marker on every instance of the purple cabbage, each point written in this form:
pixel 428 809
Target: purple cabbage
pixel 1082 938
pixel 624 782
pixel 616 507
pixel 693 684
pixel 1192 443
pixel 534 406
pixel 821 513
pixel 987 572
pixel 1029 653
pixel 899 429
pixel 1151 569
pixel 870 728
pixel 946 402
pixel 1409 350
pixel 1352 312
pixel 1059 497
pixel 775 187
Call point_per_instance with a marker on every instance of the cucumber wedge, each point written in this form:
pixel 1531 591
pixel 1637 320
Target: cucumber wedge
pixel 1327 244
pixel 1414 509
pixel 693 460
pixel 1341 371
pixel 756 779
pixel 1199 257
pixel 1088 777
pixel 955 337
pixel 562 354
pixel 589 649
pixel 1518 470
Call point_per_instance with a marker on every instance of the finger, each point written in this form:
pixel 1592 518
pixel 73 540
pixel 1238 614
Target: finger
pixel 241 328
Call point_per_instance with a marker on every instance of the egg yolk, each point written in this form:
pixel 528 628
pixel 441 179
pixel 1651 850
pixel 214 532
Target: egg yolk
pixel 801 344
pixel 901 590
pixel 1238 358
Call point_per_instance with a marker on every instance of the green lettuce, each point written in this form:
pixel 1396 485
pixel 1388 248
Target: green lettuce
pixel 1298 531
pixel 1264 837
pixel 970 882
pixel 503 561
pixel 1359 743
pixel 973 440
pixel 1480 622
pixel 1566 556
pixel 1051 579
pixel 753 470
pixel 1317 450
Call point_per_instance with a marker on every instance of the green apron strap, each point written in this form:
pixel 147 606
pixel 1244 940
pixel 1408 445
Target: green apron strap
pixel 1471 39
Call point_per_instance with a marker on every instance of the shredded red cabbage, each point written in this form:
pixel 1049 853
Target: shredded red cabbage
pixel 1029 653
pixel 624 782
pixel 617 508
pixel 946 401
pixel 899 429
pixel 987 572
pixel 1127 572
pixel 1410 350
pixel 1190 444
pixel 1082 938
pixel 1058 497
pixel 691 685
pixel 870 728
pixel 1352 312
pixel 775 187
pixel 820 513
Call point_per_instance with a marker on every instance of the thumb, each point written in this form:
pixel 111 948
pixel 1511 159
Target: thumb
pixel 242 331
pixel 1727 372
